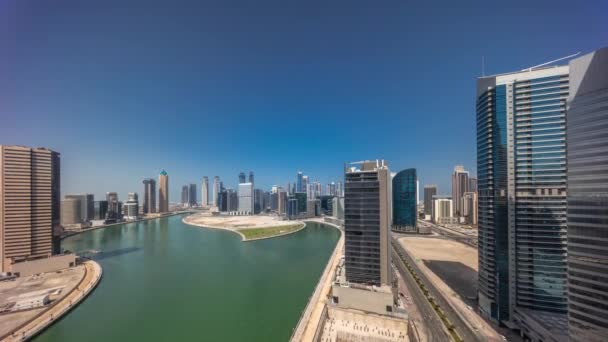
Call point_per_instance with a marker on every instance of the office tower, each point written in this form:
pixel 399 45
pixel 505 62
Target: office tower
pixel 304 183
pixel 443 210
pixel 163 192
pixel 192 195
pixel 87 201
pixel 132 206
pixel 205 192
pixel 267 201
pixel 258 200
pixel 587 134
pixel 460 185
pixel 101 210
pixel 282 202
pixel 310 194
pixel 185 194
pixel 469 207
pixel 232 200
pixel 429 192
pixel 71 211
pixel 216 190
pixel 299 177
pixel 339 190
pixel 521 164
pixel 417 193
pixel 302 200
pixel 246 197
pixel 472 184
pixel 222 201
pixel 367 212
pixel 149 196
pixel 404 201
pixel 274 201
pixel 251 177
pixel 293 189
pixel 29 204
pixel 242 178
pixel 113 207
pixel 338 207
pixel 292 208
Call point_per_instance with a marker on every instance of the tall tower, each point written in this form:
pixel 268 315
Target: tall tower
pixel 460 185
pixel 29 204
pixel 587 132
pixel 149 196
pixel 163 192
pixel 404 201
pixel 242 178
pixel 430 190
pixel 192 195
pixel 251 177
pixel 299 177
pixel 205 192
pixel 368 213
pixel 521 163
pixel 216 190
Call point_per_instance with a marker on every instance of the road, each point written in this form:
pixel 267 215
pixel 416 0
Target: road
pixel 434 328
pixel 453 235
pixel 463 329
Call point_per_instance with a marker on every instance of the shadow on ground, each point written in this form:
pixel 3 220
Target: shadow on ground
pixel 458 276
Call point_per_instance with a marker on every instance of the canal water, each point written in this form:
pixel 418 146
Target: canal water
pixel 167 281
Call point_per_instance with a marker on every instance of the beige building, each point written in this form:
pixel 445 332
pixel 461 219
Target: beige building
pixel 29 204
pixel 469 207
pixel 71 211
pixel 163 192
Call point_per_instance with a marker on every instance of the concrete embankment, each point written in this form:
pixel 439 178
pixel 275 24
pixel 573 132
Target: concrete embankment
pixel 43 320
pixel 312 315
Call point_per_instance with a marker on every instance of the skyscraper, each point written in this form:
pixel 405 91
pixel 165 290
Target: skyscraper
pixel 367 212
pixel 521 163
pixel 299 177
pixel 443 210
pixel 246 197
pixel 149 196
pixel 469 207
pixel 132 206
pixel 460 185
pixel 473 184
pixel 429 192
pixel 163 192
pixel 192 195
pixel 304 184
pixel 216 190
pixel 87 201
pixel 251 177
pixel 29 204
pixel 281 202
pixel 404 201
pixel 205 192
pixel 71 211
pixel 113 213
pixel 587 134
pixel 242 178
pixel 185 194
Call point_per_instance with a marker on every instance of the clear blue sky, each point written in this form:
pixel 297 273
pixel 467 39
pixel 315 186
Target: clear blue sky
pixel 125 88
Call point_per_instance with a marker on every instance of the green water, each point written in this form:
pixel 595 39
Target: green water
pixel 167 281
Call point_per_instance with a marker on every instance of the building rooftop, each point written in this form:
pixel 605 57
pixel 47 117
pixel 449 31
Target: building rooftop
pixel 163 173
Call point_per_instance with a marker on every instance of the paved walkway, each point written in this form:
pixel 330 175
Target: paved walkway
pixel 46 318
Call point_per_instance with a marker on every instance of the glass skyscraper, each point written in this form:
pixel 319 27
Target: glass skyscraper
pixel 588 198
pixel 521 165
pixel 404 201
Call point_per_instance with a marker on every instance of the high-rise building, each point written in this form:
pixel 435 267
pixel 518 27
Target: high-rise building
pixel 472 184
pixel 460 185
pixel 163 192
pixel 521 165
pixel 192 195
pixel 469 207
pixel 299 177
pixel 282 202
pixel 132 206
pixel 232 198
pixel 429 192
pixel 71 211
pixel 339 190
pixel 114 210
pixel 304 183
pixel 29 204
pixel 302 200
pixel 292 208
pixel 587 140
pixel 185 194
pixel 149 196
pixel 222 201
pixel 87 201
pixel 367 212
pixel 205 192
pixel 404 201
pixel 258 200
pixel 216 190
pixel 443 210
pixel 101 210
pixel 246 197
pixel 242 178
pixel 251 177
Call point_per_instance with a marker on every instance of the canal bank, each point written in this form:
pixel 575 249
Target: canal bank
pixel 193 284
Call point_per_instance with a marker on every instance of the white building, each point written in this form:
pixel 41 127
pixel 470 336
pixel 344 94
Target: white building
pixel 443 210
pixel 246 197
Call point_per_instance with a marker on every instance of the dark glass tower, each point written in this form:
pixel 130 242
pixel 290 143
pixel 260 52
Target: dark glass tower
pixel 587 128
pixel 404 201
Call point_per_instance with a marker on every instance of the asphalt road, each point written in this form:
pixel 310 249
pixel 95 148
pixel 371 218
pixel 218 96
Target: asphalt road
pixel 463 330
pixel 434 328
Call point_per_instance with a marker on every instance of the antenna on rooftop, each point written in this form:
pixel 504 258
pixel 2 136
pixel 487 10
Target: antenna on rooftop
pixel 551 62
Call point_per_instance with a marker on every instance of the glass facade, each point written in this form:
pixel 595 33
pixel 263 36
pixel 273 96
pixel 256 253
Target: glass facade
pixel 404 201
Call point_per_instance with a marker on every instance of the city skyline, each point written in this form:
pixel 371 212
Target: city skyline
pixel 272 84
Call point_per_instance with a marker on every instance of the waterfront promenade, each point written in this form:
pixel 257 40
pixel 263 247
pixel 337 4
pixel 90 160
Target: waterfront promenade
pixel 313 314
pixel 27 330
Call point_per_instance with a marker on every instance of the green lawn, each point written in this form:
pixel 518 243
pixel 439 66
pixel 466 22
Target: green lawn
pixel 257 233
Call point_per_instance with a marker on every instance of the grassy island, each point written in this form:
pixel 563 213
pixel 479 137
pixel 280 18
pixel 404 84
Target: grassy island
pixel 262 233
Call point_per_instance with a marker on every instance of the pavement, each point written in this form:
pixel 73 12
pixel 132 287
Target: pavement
pixel 353 325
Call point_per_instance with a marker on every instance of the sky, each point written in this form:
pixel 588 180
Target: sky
pixel 124 89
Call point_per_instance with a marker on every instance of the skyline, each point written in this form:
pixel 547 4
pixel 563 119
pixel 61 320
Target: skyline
pixel 164 90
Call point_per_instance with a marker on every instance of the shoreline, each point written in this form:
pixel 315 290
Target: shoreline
pixel 57 310
pixel 243 238
pixel 76 232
